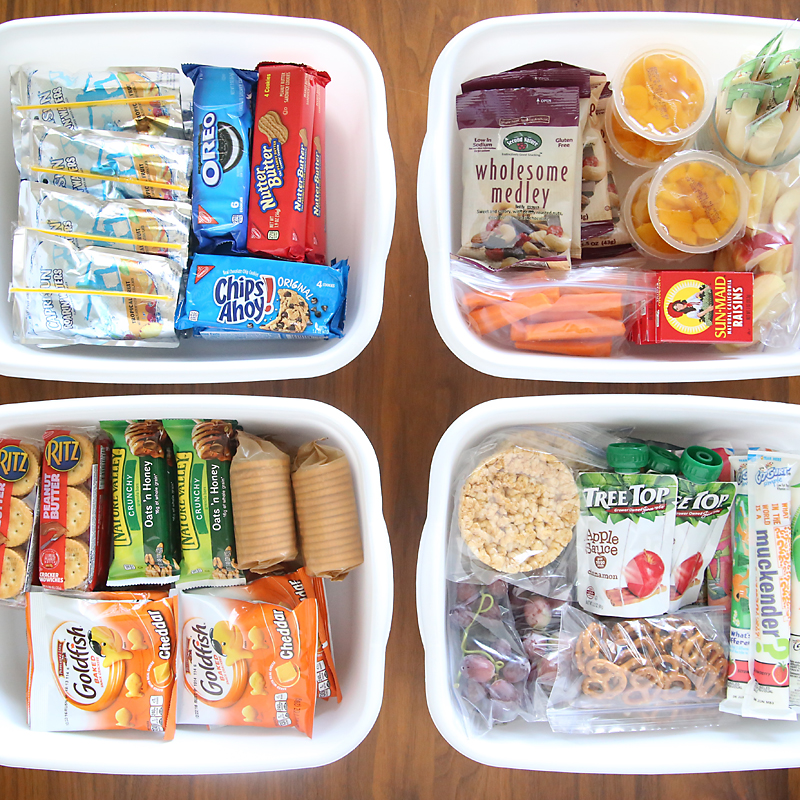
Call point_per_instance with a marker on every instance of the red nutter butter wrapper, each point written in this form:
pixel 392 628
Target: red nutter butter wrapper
pixel 282 134
pixel 315 224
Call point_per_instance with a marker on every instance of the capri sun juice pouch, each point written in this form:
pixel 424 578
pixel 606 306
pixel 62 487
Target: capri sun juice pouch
pixel 624 536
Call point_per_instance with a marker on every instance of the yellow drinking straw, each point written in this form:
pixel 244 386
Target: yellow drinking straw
pixel 95 176
pixel 112 239
pixel 98 292
pixel 114 101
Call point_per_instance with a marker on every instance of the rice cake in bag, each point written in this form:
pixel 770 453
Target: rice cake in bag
pixel 19 485
pixel 327 515
pixel 142 517
pixel 203 453
pixel 263 511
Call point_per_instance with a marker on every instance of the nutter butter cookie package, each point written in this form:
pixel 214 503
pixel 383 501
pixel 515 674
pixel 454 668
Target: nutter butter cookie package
pixel 19 485
pixel 101 662
pixel 203 453
pixel 75 509
pixel 246 663
pixel 286 99
pixel 144 533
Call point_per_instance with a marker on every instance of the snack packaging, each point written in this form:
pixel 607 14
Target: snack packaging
pixel 101 662
pixel 770 478
pixel 519 178
pixel 246 663
pixel 142 518
pixel 488 662
pixel 75 509
pixel 739 671
pixel 624 536
pixel 702 509
pixel 659 673
pixel 512 476
pixel 230 297
pixel 719 571
pixel 288 591
pixel 102 296
pixel 156 227
pixel 203 452
pixel 263 509
pixel 327 514
pixel 697 307
pixel 107 164
pixel 585 312
pixel 316 236
pixel 223 126
pixel 19 495
pixel 133 100
pixel 284 124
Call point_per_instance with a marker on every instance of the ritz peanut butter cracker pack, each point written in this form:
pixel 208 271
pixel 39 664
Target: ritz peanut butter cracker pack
pixel 103 663
pixel 75 507
pixel 244 663
pixel 19 481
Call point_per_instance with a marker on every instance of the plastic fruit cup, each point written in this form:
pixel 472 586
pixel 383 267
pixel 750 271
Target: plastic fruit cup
pixel 698 202
pixel 636 215
pixel 634 149
pixel 663 94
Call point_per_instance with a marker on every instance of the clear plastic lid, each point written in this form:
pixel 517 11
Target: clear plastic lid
pixel 634 149
pixel 636 216
pixel 663 94
pixel 698 202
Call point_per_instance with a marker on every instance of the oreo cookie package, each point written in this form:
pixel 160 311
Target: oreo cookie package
pixel 231 297
pixel 222 127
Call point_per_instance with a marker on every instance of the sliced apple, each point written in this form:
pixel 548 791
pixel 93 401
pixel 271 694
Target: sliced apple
pixel 772 189
pixel 778 261
pixel 783 212
pixel 766 288
pixel 758 182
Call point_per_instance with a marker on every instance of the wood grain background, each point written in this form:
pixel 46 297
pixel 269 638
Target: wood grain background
pixel 404 390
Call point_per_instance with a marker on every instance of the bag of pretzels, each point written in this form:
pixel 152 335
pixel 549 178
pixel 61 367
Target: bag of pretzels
pixel 517 504
pixel 657 673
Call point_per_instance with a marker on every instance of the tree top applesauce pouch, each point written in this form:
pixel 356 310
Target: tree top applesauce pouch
pixel 519 172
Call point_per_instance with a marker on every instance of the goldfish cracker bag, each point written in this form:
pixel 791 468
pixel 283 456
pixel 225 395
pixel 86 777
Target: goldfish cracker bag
pixel 250 664
pixel 101 662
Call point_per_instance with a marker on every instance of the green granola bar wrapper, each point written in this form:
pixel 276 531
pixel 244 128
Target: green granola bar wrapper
pixel 203 453
pixel 143 521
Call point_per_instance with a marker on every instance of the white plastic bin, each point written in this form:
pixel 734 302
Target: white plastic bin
pixel 360 178
pixel 739 744
pixel 598 41
pixel 360 612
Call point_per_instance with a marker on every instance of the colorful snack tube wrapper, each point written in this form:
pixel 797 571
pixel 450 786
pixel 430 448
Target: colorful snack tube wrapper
pixel 223 124
pixel 246 663
pixel 19 494
pixel 257 298
pixel 770 478
pixel 283 130
pixel 142 517
pixel 203 453
pixel 133 100
pixel 263 510
pixel 101 662
pixel 75 509
pixel 96 295
pixel 327 514
pixel 156 227
pixel 107 164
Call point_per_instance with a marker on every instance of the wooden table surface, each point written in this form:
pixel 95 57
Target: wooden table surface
pixel 404 390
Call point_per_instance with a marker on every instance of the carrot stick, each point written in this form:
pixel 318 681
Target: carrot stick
pixel 584 328
pixel 477 299
pixel 492 318
pixel 600 304
pixel 593 348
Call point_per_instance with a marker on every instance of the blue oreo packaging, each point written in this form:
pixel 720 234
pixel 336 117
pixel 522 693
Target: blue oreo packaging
pixel 233 297
pixel 222 132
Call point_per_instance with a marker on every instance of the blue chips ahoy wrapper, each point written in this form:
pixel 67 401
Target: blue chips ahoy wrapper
pixel 230 297
pixel 223 124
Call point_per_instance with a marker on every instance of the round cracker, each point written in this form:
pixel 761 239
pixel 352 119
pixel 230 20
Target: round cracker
pixel 26 484
pixel 79 511
pixel 82 471
pixel 76 563
pixel 12 578
pixel 20 523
